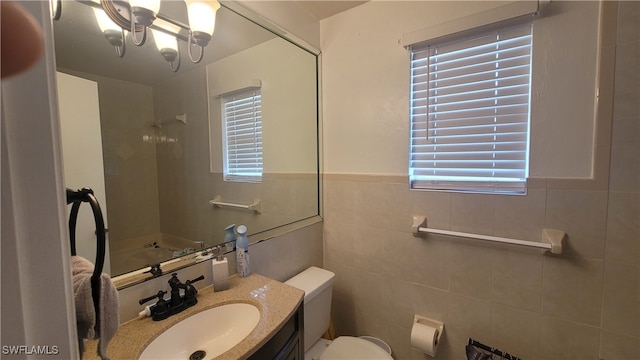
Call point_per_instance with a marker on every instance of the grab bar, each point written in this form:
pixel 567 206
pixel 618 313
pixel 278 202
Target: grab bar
pixel 254 206
pixel 551 238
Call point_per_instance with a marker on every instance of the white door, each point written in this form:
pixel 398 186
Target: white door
pixel 82 156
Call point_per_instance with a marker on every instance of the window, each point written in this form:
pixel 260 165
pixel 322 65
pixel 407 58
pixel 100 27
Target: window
pixel 242 136
pixel 470 111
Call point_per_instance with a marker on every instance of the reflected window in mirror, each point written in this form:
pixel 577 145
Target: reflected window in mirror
pixel 242 136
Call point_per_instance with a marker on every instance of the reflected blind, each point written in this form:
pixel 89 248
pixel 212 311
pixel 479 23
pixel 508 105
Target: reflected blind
pixel 470 112
pixel 242 135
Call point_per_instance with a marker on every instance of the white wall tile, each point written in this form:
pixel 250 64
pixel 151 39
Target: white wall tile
pixel 561 340
pixel 572 289
pixel 509 333
pixel 623 228
pixel 517 279
pixel 583 216
pixel 621 300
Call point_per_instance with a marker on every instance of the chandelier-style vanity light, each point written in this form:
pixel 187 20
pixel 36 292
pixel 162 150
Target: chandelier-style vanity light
pixel 168 45
pixel 114 33
pixel 115 17
pixel 202 18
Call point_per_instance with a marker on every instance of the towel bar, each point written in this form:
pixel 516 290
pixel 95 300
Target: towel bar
pixel 551 238
pixel 254 206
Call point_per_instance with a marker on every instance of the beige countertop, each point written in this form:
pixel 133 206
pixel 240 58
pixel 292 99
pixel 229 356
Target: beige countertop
pixel 276 301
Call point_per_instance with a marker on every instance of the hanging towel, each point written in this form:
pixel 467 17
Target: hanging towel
pixel 82 269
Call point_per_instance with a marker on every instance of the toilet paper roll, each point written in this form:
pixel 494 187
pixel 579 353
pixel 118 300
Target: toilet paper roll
pixel 424 338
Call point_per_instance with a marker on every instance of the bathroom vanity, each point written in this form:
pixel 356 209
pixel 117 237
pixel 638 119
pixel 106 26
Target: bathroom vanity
pixel 278 334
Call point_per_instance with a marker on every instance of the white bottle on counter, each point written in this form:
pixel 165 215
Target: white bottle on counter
pixel 243 265
pixel 220 268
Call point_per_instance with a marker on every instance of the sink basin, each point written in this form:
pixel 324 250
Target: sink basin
pixel 212 331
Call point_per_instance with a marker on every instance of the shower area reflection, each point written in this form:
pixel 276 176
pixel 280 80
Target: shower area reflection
pixel 149 250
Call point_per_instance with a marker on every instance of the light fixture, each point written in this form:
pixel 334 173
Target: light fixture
pixel 168 44
pixel 143 12
pixel 56 9
pixel 202 22
pixel 138 15
pixel 114 33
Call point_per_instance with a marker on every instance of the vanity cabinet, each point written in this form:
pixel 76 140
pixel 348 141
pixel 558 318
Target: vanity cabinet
pixel 287 343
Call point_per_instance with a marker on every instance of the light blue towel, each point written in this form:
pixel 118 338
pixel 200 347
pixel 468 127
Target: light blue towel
pixel 185 251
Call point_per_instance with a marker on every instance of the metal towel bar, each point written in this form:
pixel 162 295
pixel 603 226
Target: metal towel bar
pixel 551 238
pixel 254 206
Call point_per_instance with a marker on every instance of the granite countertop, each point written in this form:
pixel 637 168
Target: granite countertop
pixel 275 300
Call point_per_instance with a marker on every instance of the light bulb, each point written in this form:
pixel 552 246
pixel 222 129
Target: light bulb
pixel 54 8
pixel 151 5
pixel 167 44
pixel 164 40
pixel 145 11
pixel 104 22
pixel 202 15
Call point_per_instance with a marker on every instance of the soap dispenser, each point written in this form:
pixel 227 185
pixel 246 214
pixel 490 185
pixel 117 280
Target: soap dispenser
pixel 220 268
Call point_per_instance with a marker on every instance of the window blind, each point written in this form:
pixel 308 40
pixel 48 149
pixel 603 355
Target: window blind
pixel 470 112
pixel 242 135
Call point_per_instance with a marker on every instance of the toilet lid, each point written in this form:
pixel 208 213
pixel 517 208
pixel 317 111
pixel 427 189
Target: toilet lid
pixel 348 347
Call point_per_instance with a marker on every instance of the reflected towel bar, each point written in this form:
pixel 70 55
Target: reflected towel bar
pixel 551 238
pixel 255 206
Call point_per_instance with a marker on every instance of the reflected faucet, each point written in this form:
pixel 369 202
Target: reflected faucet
pixel 155 270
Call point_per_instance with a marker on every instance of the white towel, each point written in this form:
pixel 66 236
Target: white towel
pixel 82 269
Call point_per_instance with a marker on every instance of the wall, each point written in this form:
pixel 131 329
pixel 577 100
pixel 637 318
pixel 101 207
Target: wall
pixel 190 170
pixel 582 304
pixel 36 276
pixel 290 17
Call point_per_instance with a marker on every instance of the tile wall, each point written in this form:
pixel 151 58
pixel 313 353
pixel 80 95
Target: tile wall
pixel 584 304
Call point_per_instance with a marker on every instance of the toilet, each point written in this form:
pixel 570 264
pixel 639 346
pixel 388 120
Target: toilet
pixel 317 285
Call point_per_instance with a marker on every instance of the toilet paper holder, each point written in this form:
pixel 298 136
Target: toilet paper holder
pixel 437 325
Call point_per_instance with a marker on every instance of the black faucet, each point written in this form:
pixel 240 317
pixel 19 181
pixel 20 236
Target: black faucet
pixel 161 310
pixel 177 303
pixel 154 270
pixel 190 291
pixel 175 285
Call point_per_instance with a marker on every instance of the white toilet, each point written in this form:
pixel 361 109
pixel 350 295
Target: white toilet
pixel 317 285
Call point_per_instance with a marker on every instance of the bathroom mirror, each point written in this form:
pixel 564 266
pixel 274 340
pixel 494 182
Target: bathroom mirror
pixel 161 133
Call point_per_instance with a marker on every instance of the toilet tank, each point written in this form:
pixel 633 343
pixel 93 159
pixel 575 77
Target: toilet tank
pixel 317 285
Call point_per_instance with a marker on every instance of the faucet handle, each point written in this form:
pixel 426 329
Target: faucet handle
pixel 175 283
pixel 159 296
pixel 190 291
pixel 201 277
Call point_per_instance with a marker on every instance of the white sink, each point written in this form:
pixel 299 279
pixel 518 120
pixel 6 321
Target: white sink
pixel 213 331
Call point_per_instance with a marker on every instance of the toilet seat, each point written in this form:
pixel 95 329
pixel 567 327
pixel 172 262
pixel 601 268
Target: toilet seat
pixel 349 347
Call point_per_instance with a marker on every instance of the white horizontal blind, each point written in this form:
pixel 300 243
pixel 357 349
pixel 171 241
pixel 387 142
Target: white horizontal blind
pixel 242 132
pixel 470 112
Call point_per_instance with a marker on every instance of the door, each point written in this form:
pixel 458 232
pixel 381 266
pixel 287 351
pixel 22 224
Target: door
pixel 82 156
